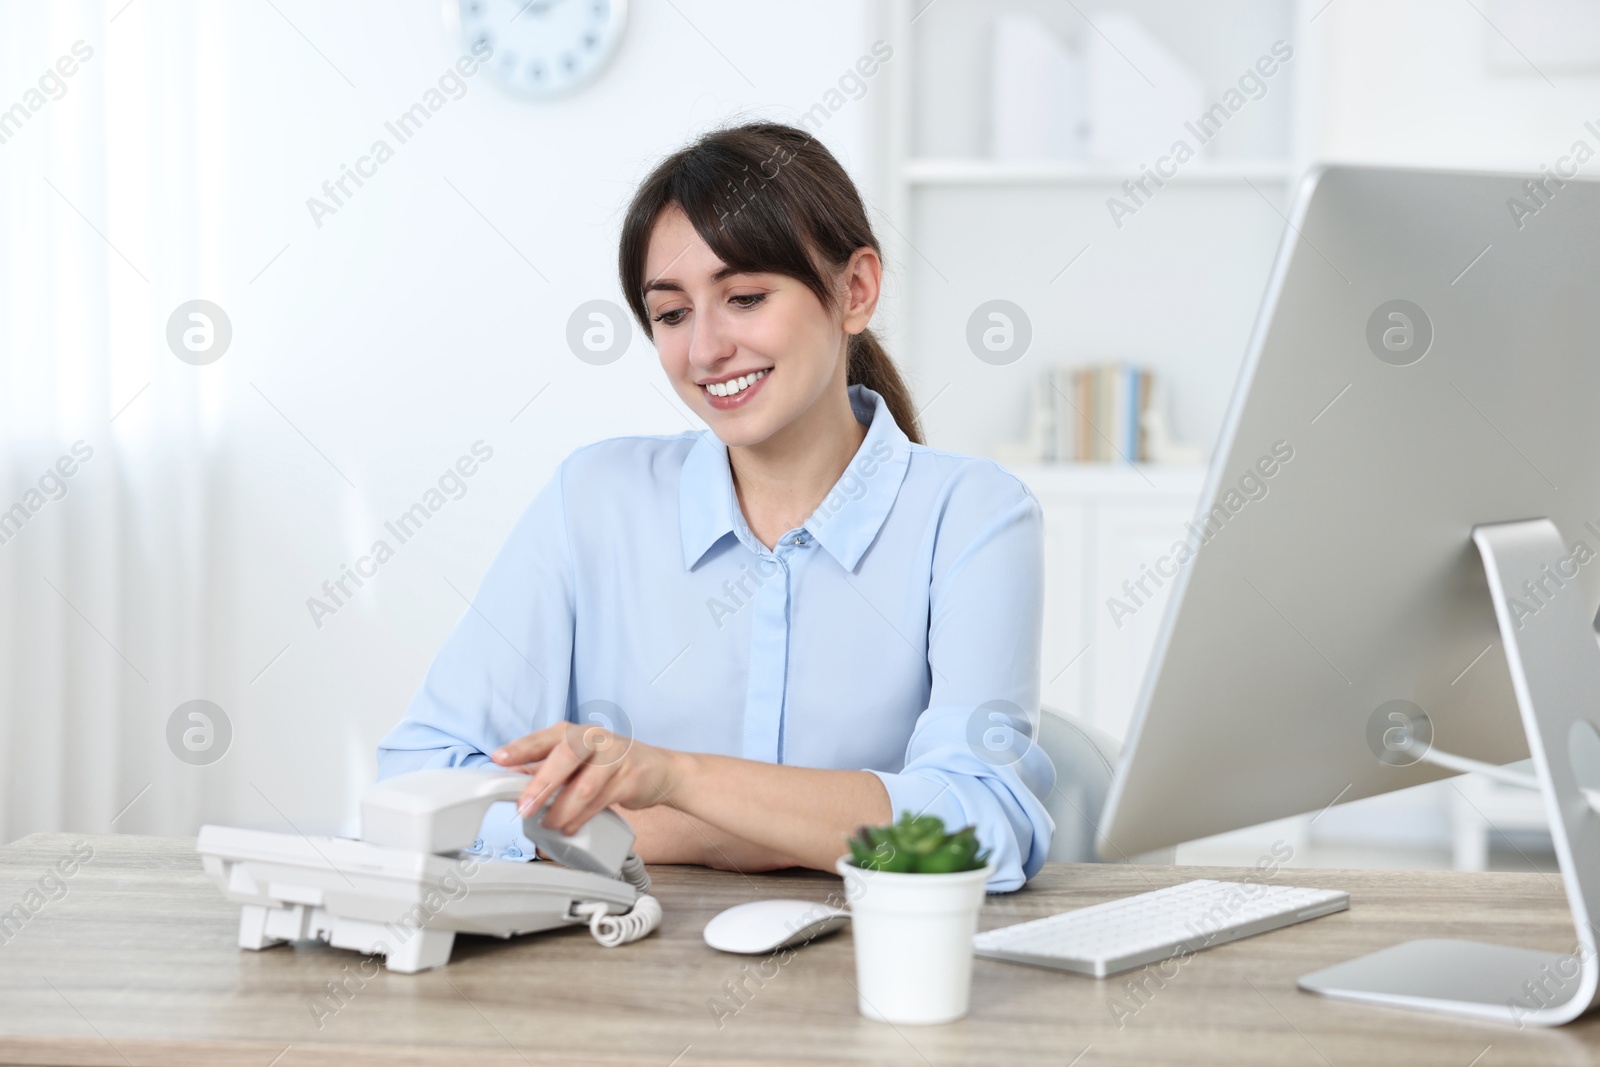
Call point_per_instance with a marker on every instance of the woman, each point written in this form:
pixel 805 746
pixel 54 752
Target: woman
pixel 751 641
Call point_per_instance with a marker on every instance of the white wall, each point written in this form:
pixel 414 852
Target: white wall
pixel 407 329
pixel 1442 83
pixel 392 337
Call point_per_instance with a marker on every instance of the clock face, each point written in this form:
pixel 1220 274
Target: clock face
pixel 542 48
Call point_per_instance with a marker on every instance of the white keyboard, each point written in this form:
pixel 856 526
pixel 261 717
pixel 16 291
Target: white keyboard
pixel 1106 938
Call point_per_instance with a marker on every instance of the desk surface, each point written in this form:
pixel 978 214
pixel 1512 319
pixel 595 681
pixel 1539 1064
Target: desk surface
pixel 137 964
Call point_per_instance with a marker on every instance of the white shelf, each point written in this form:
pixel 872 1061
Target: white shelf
pixel 1052 172
pixel 1111 479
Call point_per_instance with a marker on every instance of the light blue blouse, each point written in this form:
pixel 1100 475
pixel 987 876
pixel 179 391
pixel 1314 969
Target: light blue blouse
pixel 896 632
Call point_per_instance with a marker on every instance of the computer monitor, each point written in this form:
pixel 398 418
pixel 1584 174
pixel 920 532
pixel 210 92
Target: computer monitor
pixel 1426 361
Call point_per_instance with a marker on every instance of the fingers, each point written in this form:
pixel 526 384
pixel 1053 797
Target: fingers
pixel 558 766
pixel 586 793
pixel 578 760
pixel 533 747
pixel 568 748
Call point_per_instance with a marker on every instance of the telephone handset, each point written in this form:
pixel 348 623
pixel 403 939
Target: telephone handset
pixel 409 885
pixel 440 811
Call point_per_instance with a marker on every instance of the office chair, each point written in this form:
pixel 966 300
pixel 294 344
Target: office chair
pixel 1084 759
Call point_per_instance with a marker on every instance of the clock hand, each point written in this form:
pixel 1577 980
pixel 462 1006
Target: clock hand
pixel 538 7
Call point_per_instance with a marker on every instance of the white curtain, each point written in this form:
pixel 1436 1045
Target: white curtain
pixel 106 448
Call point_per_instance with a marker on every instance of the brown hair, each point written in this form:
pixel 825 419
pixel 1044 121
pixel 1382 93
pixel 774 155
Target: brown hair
pixel 767 198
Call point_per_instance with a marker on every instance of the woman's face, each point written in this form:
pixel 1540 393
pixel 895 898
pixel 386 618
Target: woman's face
pixel 750 353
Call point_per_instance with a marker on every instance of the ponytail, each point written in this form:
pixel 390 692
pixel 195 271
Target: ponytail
pixel 870 365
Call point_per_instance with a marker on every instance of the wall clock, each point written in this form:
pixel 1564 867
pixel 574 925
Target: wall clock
pixel 542 48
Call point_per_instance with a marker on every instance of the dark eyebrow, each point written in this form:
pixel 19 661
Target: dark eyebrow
pixel 668 284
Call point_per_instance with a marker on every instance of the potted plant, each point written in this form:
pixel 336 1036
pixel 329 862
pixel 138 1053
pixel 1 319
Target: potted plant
pixel 914 893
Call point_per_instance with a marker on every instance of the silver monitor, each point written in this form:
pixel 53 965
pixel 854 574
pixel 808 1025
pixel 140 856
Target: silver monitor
pixel 1426 364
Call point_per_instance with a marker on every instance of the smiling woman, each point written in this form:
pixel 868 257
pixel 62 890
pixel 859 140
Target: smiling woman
pixel 889 594
pixel 765 201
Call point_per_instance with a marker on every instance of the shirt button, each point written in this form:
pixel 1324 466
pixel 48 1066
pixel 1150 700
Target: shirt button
pixel 801 539
pixel 514 853
pixel 477 845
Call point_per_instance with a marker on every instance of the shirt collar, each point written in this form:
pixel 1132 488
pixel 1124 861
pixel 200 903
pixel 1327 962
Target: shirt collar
pixel 706 504
pixel 849 517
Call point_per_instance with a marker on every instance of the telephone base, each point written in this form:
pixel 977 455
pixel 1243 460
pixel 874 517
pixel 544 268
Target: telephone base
pixel 406 906
pixel 405 951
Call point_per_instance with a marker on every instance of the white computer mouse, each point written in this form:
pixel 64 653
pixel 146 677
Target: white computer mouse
pixel 764 926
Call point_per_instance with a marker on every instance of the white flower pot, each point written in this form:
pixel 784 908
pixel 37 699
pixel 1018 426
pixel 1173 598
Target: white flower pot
pixel 913 935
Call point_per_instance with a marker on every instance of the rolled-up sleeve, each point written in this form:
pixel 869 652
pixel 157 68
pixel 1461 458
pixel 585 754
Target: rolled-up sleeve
pixel 505 669
pixel 972 758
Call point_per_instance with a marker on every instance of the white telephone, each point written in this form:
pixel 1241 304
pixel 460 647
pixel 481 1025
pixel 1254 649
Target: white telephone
pixel 409 885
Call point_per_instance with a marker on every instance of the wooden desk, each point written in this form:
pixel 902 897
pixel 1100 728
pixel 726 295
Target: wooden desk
pixel 137 964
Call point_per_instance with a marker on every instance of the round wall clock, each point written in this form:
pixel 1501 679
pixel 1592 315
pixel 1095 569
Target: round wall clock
pixel 542 48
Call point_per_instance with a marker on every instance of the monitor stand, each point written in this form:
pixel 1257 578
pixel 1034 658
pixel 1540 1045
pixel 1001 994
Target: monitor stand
pixel 1554 657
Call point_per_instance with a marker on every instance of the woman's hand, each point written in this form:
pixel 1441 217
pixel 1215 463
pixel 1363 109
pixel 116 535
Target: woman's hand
pixel 593 768
pixel 799 815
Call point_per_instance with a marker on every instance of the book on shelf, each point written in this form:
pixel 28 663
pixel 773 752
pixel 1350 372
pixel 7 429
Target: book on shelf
pixel 1095 413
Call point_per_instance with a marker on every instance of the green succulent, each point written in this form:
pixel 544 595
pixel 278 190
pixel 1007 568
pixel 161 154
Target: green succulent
pixel 917 844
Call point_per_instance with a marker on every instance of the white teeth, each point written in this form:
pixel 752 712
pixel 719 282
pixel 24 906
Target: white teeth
pixel 734 386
